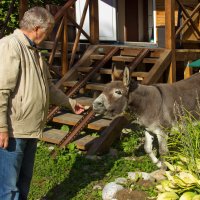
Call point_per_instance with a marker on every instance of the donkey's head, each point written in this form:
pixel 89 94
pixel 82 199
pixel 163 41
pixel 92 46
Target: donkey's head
pixel 113 100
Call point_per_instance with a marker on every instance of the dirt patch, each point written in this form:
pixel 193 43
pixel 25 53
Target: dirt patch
pixel 132 195
pixel 136 194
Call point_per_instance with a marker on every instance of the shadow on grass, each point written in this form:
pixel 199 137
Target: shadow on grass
pixel 83 176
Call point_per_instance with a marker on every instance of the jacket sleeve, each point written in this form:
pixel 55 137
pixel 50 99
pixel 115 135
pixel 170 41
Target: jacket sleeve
pixel 57 96
pixel 9 71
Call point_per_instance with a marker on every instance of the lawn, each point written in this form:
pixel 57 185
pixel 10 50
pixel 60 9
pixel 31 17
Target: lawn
pixel 74 175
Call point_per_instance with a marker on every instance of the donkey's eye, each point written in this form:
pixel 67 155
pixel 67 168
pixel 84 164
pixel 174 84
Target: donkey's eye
pixel 118 92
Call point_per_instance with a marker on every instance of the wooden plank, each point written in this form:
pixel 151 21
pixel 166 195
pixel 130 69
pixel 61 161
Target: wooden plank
pixel 79 33
pixel 108 136
pixel 170 36
pixel 89 86
pixel 65 64
pixel 58 34
pixel 188 17
pixel 122 58
pixel 84 143
pixel 85 101
pixel 109 71
pixel 53 135
pixel 49 45
pixel 159 67
pixel 23 7
pixel 94 21
pixel 72 119
pixel 187 54
pixel 187 20
pixel 134 52
pixel 62 11
pixel 73 71
pixel 78 27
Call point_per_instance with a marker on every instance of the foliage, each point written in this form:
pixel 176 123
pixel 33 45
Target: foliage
pixel 184 141
pixel 14 18
pixel 183 177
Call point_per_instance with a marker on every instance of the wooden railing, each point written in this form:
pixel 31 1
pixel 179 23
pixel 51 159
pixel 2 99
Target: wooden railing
pixel 188 20
pixel 63 16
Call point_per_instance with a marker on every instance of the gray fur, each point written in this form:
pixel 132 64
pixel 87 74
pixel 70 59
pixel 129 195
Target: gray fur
pixel 154 106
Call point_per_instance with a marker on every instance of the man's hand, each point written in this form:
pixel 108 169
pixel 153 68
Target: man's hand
pixel 4 140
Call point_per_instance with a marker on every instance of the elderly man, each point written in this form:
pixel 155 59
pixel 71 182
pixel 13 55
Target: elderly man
pixel 25 91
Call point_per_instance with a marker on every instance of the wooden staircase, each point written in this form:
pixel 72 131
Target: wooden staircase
pixel 147 66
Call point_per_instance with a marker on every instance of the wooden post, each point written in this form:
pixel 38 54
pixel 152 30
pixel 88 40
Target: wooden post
pixel 65 47
pixel 23 7
pixel 170 36
pixel 94 21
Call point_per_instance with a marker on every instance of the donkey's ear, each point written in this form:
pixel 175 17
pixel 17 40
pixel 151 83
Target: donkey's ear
pixel 115 74
pixel 126 76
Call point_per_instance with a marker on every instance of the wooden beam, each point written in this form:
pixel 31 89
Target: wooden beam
pixel 108 136
pixel 94 21
pixel 187 20
pixel 23 7
pixel 62 11
pixel 58 34
pixel 170 36
pixel 79 33
pixel 187 54
pixel 78 27
pixel 65 65
pixel 159 67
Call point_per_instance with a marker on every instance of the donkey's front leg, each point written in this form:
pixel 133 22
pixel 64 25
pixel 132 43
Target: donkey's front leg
pixel 148 147
pixel 162 141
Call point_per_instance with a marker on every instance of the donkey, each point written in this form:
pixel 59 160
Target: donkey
pixel 153 106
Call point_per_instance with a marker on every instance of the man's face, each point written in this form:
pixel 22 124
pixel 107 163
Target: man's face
pixel 42 34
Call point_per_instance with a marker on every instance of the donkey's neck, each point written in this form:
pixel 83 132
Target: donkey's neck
pixel 141 98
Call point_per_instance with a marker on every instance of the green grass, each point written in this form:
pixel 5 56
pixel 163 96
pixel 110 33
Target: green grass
pixel 72 176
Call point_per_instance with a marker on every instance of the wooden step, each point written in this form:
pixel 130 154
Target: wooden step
pixel 53 135
pixel 89 86
pixel 49 45
pixel 47 54
pixel 72 119
pixel 123 58
pixel 85 143
pixel 85 101
pixel 109 71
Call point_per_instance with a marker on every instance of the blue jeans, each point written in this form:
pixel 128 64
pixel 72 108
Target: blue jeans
pixel 16 168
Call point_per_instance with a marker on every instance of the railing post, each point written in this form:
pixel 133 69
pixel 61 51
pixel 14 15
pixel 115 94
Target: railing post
pixel 170 36
pixel 94 21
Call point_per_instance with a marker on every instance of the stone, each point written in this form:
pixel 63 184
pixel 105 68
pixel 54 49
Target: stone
pixel 110 190
pixel 135 175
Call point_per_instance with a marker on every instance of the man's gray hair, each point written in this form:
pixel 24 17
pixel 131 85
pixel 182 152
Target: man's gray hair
pixel 36 16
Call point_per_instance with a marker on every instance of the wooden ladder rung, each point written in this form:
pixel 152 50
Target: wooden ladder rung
pixel 89 86
pixel 109 71
pixel 72 119
pixel 124 58
pixel 53 135
pixel 85 142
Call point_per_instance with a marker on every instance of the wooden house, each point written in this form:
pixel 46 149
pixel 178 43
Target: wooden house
pixel 155 38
